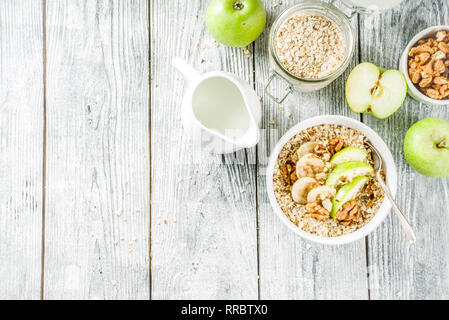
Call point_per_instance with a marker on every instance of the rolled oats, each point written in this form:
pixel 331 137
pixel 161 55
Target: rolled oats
pixel 310 46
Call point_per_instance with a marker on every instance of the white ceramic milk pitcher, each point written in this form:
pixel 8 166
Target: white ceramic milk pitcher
pixel 226 109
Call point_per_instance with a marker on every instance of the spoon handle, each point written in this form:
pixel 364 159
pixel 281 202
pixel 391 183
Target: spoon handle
pixel 404 222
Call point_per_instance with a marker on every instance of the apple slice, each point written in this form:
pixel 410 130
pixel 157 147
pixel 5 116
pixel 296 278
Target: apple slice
pixel 347 193
pixel 349 154
pixel 375 91
pixel 348 170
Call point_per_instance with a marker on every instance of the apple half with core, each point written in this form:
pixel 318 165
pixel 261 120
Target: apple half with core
pixel 375 91
pixel 236 23
pixel 426 147
pixel 347 193
pixel 349 154
pixel 348 170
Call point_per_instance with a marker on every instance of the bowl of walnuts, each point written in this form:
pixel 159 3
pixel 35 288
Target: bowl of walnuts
pixel 425 64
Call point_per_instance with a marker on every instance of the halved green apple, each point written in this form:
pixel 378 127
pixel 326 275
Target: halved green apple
pixel 375 91
pixel 347 193
pixel 348 170
pixel 349 154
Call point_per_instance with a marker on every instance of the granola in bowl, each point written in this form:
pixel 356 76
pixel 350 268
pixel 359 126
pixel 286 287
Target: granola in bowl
pixel 324 183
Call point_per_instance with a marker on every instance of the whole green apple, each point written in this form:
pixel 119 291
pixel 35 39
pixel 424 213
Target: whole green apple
pixel 236 23
pixel 426 147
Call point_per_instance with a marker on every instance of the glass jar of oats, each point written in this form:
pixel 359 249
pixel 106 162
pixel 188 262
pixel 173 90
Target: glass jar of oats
pixel 311 44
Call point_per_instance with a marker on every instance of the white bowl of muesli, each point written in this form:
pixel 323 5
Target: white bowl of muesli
pixel 321 180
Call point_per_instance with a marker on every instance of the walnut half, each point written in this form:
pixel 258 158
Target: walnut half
pixel 336 145
pixel 289 172
pixel 348 213
pixel 317 212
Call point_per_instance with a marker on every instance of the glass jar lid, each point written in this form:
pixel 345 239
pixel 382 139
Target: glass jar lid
pixel 370 6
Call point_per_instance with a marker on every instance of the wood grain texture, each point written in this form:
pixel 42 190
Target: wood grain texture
pixel 97 150
pixel 21 152
pixel 204 244
pixel 397 270
pixel 289 269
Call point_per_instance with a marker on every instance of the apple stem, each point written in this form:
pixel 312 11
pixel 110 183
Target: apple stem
pixel 238 5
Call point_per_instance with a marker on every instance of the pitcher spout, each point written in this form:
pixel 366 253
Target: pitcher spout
pixel 249 139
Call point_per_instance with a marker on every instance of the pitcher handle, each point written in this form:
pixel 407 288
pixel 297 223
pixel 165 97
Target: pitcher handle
pixel 289 89
pixel 186 69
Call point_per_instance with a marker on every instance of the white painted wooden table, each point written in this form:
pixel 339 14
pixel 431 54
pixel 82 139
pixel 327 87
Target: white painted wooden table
pixel 91 154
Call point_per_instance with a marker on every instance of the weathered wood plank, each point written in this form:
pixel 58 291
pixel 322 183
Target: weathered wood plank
pixel 97 150
pixel 288 268
pixel 200 249
pixel 21 152
pixel 398 270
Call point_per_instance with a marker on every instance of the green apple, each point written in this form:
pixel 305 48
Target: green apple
pixel 348 170
pixel 349 154
pixel 375 91
pixel 426 147
pixel 347 193
pixel 236 23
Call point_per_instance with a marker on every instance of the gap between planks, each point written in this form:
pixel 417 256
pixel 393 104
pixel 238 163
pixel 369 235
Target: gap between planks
pixel 359 52
pixel 256 184
pixel 149 148
pixel 44 138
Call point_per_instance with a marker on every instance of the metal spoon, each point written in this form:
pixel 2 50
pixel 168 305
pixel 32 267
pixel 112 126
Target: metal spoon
pixel 378 162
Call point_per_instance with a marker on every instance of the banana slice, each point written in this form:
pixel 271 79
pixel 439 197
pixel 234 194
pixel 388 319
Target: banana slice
pixel 327 204
pixel 309 165
pixel 301 188
pixel 306 148
pixel 321 193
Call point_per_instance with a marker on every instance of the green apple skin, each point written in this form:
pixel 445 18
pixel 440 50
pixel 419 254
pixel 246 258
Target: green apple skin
pixel 349 154
pixel 236 23
pixel 375 91
pixel 347 193
pixel 349 170
pixel 426 147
